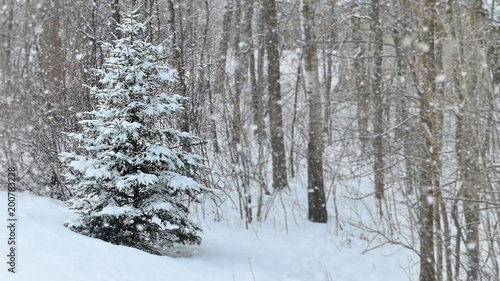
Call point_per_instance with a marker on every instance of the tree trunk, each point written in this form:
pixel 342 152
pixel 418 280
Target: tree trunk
pixel 7 38
pixel 328 73
pixel 360 74
pixel 238 77
pixel 280 180
pixel 315 183
pixel 468 145
pixel 116 18
pixel 256 95
pixel 378 128
pixel 429 176
pixel 220 66
pixel 178 58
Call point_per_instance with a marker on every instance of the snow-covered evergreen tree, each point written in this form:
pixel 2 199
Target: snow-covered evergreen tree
pixel 132 173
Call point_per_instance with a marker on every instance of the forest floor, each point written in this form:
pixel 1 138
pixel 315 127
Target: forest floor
pixel 276 250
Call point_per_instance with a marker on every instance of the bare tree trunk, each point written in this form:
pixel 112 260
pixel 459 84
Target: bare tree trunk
pixel 468 145
pixel 52 54
pixel 116 18
pixel 427 261
pixel 280 180
pixel 238 76
pixel 54 75
pixel 221 67
pixel 360 84
pixel 328 96
pixel 468 160
pixel 315 183
pixel 443 250
pixel 261 48
pixel 256 95
pixel 378 128
pixel 294 119
pixel 237 132
pixel 149 6
pixel 466 148
pixel 429 176
pixel 328 74
pixel 6 72
pixel 176 46
pixel 405 132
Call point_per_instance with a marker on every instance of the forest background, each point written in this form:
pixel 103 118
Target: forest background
pixel 312 93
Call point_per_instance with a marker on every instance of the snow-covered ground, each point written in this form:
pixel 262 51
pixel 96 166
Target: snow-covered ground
pixel 49 251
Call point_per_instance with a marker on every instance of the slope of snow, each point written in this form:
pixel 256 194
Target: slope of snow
pixel 310 252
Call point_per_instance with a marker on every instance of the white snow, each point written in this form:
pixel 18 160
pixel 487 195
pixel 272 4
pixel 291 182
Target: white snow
pixel 46 250
pixel 141 178
pixel 168 75
pixel 115 210
pixel 178 181
pixel 441 78
pixel 471 246
pixel 162 206
pixel 422 46
pixel 407 41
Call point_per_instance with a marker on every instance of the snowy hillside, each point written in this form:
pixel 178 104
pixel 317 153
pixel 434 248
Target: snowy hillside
pixel 49 251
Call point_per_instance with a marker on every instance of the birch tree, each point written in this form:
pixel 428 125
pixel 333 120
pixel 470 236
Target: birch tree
pixel 315 183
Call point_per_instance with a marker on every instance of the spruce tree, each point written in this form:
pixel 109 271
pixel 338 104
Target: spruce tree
pixel 132 171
